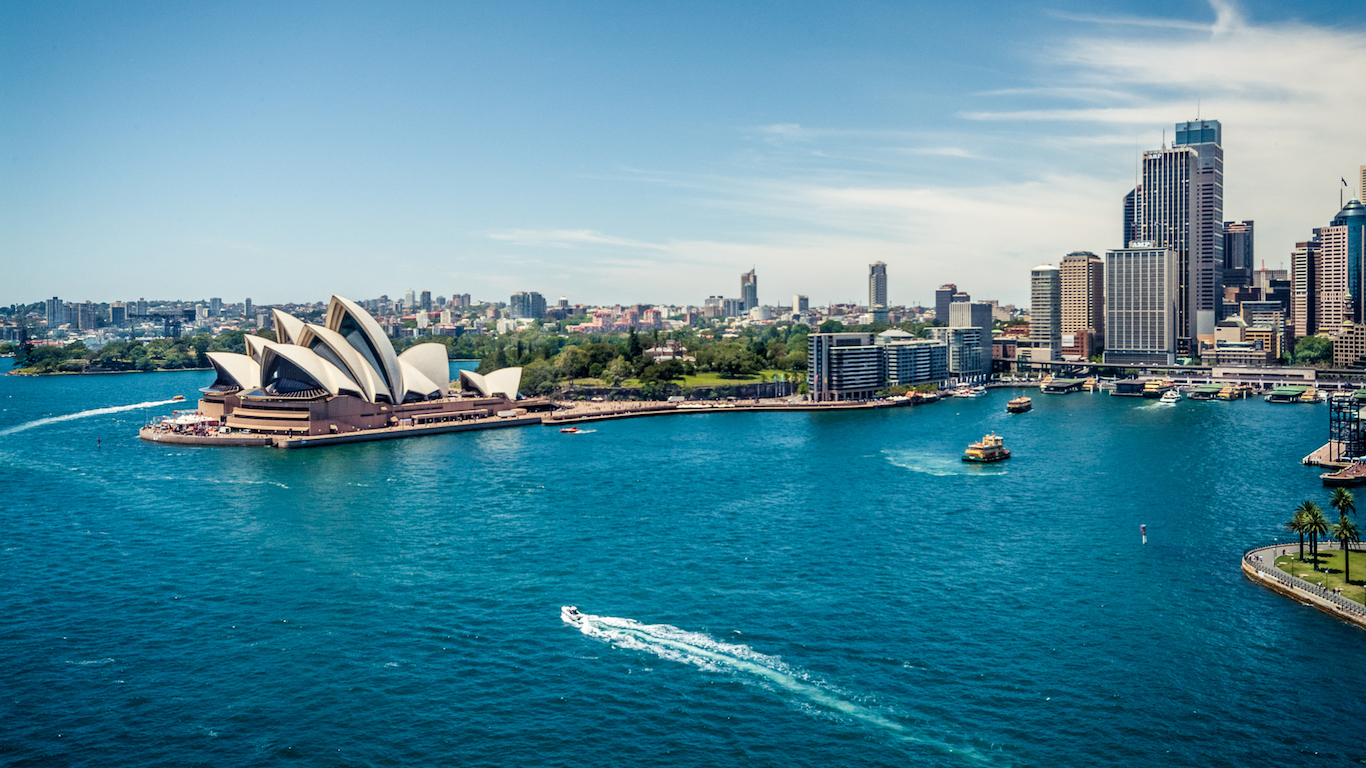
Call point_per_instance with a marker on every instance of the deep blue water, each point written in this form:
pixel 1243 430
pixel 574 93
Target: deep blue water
pixel 822 589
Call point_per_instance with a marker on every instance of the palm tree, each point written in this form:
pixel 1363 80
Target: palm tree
pixel 1297 524
pixel 1344 502
pixel 1346 532
pixel 1316 525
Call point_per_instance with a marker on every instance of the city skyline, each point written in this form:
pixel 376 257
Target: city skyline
pixel 138 155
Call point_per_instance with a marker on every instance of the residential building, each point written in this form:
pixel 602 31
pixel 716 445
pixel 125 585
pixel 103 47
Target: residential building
pixel 973 314
pixel 118 314
pixel 55 313
pixel 526 305
pixel 85 316
pixel 844 366
pixel 215 307
pixel 942 299
pixel 732 307
pixel 246 308
pixel 801 303
pixel 966 349
pixel 409 299
pixel 749 291
pixel 1082 278
pixel 877 285
pixel 142 307
pixel 425 301
pixel 1045 313
pixel 1141 286
pixel 911 361
pixel 1239 257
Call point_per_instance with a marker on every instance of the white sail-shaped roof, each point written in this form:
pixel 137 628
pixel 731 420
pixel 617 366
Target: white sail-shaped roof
pixel 255 346
pixel 433 361
pixel 305 362
pixel 504 381
pixel 365 336
pixel 335 349
pixel 287 327
pixel 416 384
pixel 234 370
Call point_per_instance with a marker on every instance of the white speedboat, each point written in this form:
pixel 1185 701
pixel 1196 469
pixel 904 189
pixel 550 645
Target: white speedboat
pixel 570 615
pixel 1170 397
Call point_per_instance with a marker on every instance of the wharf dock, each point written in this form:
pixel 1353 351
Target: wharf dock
pixel 1350 475
pixel 1062 386
pixel 1205 392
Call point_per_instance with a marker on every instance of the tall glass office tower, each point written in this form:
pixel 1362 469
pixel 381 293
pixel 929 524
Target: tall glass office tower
pixel 1180 206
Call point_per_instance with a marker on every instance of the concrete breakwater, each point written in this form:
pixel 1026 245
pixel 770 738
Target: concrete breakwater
pixel 1259 565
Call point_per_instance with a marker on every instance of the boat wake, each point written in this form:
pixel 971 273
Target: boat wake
pixel 702 651
pixel 941 466
pixel 83 415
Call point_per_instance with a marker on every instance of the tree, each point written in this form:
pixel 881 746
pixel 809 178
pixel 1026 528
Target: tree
pixel 1344 502
pixel 1299 522
pixel 1313 349
pixel 1316 525
pixel 1346 532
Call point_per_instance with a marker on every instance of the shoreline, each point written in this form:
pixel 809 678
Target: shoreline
pixel 1300 590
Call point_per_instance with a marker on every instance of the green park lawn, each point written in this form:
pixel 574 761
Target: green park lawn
pixel 1332 562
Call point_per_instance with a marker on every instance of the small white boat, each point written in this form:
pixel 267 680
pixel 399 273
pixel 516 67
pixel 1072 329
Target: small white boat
pixel 1170 397
pixel 569 614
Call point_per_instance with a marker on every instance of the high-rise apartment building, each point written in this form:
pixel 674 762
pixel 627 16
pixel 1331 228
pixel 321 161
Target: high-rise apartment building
pixel 1239 257
pixel 800 303
pixel 749 291
pixel 142 307
pixel 118 314
pixel 1179 205
pixel 246 308
pixel 1304 289
pixel 1141 286
pixel 877 285
pixel 1045 313
pixel 1082 276
pixel 942 299
pixel 55 313
pixel 527 305
pixel 425 302
pixel 215 307
pixel 85 316
pixel 973 314
pixel 844 366
pixel 409 299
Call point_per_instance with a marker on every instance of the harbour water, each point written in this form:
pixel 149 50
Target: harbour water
pixel 789 589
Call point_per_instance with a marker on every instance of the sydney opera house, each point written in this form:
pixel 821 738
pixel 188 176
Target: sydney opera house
pixel 343 377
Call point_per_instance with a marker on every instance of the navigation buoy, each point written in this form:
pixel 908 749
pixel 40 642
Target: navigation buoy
pixel 1143 529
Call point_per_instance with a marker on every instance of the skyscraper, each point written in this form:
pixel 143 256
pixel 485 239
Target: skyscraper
pixel 1239 258
pixel 1180 205
pixel 877 285
pixel 1082 276
pixel 142 307
pixel 800 303
pixel 1130 218
pixel 969 314
pixel 1361 193
pixel 1045 313
pixel 942 299
pixel 56 312
pixel 1141 285
pixel 426 301
pixel 409 299
pixel 749 291
pixel 1304 289
pixel 527 305
pixel 118 314
pixel 246 308
pixel 215 307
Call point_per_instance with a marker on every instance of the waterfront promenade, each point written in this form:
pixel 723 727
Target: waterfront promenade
pixel 581 413
pixel 1259 565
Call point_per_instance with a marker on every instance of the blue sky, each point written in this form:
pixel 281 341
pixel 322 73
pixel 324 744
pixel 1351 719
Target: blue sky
pixel 636 152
